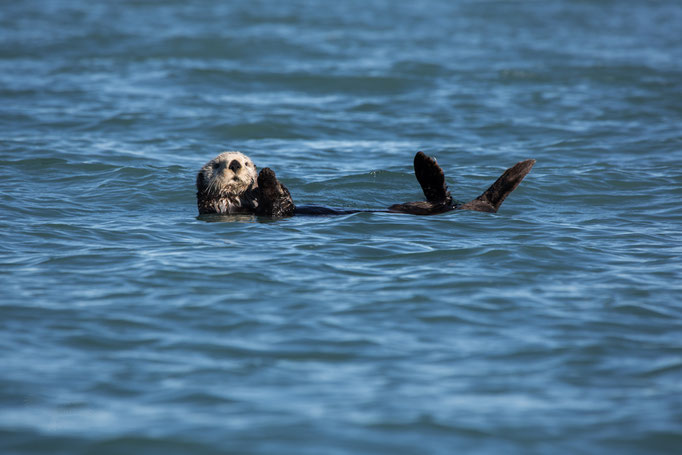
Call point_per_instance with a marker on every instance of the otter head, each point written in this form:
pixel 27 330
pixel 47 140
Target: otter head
pixel 227 175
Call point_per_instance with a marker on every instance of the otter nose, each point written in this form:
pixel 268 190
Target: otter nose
pixel 235 166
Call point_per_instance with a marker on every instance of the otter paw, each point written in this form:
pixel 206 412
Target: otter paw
pixel 268 183
pixel 275 200
pixel 266 176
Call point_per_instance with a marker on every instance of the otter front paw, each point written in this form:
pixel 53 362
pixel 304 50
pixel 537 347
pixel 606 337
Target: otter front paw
pixel 267 180
pixel 274 199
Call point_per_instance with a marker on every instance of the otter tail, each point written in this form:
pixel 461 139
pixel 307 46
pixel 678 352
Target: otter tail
pixel 493 197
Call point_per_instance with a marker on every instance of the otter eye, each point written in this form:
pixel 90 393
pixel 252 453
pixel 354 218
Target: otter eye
pixel 216 165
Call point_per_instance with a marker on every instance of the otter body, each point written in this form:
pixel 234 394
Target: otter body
pixel 229 184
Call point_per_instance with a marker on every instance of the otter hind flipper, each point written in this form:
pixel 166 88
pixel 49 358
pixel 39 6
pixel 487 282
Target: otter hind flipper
pixel 493 197
pixel 274 198
pixel 431 178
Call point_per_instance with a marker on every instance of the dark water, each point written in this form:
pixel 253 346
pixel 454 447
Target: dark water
pixel 127 325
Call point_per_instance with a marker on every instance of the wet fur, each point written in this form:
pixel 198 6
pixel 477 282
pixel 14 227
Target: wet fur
pixel 228 184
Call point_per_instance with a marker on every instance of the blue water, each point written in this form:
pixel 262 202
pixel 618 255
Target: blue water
pixel 129 325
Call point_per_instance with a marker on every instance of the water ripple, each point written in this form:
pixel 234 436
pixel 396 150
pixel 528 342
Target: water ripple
pixel 130 324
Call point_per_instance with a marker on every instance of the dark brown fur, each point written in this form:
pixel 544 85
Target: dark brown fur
pixel 266 196
pixel 438 199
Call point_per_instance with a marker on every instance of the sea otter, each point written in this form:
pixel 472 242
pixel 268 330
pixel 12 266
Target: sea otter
pixel 229 184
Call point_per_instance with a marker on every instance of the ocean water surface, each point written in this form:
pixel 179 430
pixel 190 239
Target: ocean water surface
pixel 130 325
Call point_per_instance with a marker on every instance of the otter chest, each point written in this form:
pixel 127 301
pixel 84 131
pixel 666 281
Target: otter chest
pixel 227 205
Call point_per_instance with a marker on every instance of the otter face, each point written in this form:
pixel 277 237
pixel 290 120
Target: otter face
pixel 228 174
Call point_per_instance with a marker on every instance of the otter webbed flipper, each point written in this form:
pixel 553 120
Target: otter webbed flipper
pixel 438 199
pixel 432 180
pixel 493 197
pixel 274 198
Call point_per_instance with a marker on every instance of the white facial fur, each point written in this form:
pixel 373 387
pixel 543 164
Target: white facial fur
pixel 229 173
